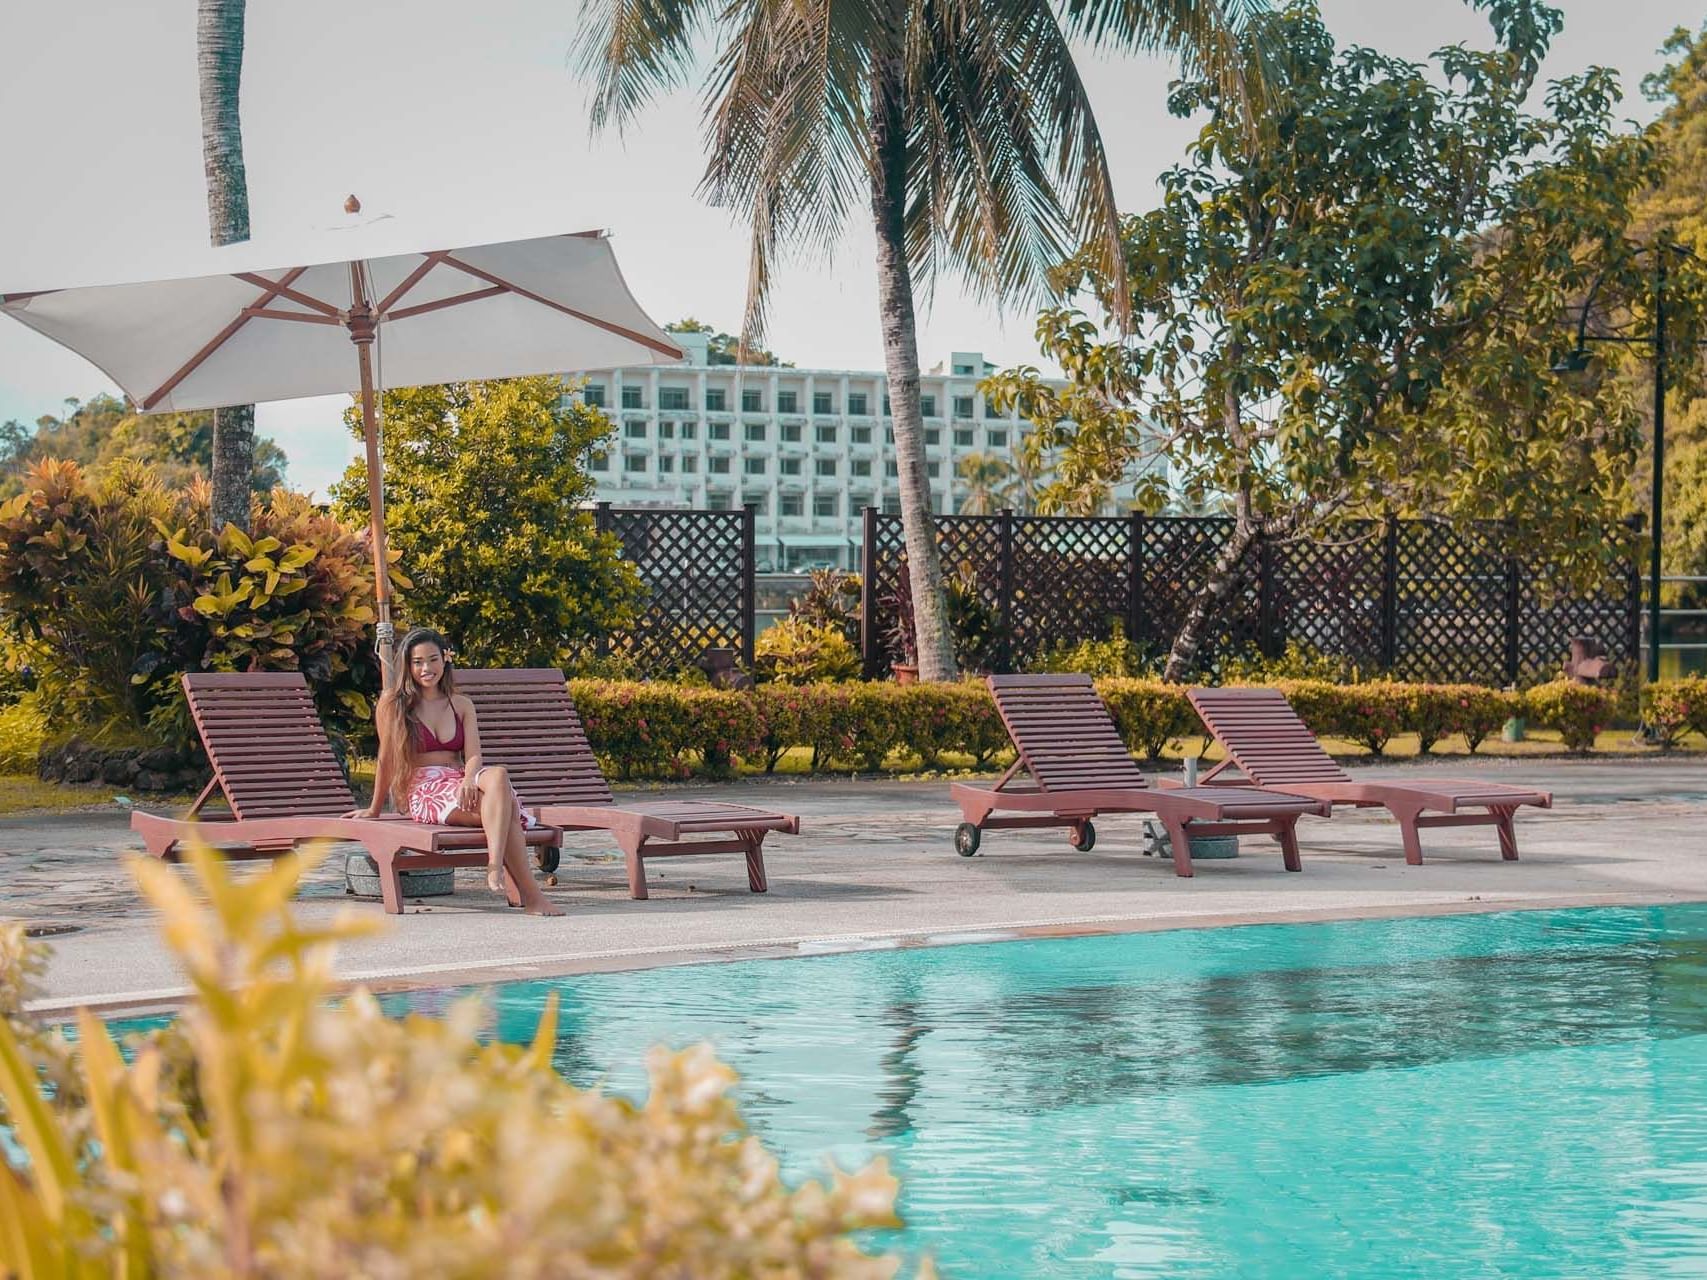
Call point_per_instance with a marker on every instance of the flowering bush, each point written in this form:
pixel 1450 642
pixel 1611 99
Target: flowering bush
pixel 1149 714
pixel 1577 711
pixel 271 1132
pixel 795 651
pixel 1675 707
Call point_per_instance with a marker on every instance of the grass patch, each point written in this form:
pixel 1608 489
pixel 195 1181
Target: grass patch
pixel 22 793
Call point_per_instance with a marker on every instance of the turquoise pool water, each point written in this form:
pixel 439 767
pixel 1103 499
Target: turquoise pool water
pixel 1519 1095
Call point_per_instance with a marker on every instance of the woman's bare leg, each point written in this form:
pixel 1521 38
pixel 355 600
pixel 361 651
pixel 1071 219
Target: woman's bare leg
pixel 507 844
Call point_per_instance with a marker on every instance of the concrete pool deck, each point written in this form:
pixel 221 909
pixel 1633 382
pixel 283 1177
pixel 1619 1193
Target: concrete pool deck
pixel 875 866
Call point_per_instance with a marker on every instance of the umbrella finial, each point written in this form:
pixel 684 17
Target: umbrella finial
pixel 352 205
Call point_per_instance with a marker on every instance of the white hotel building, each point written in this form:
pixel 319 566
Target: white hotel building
pixel 809 448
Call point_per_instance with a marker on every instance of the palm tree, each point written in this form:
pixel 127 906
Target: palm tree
pixel 988 484
pixel 219 68
pixel 961 125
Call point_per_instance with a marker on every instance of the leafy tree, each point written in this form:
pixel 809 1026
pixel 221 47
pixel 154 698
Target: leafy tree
pixel 219 74
pixel 960 125
pixel 1676 206
pixel 103 430
pixel 725 348
pixel 486 486
pixel 1353 307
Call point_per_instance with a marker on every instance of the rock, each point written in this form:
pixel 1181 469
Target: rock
pixel 160 760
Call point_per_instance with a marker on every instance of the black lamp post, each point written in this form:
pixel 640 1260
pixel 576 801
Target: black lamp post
pixel 1578 360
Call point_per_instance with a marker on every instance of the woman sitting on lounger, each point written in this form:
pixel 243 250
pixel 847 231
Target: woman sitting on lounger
pixel 429 764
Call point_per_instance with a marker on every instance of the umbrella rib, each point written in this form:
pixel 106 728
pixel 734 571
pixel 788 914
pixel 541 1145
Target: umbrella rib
pixel 307 300
pixel 267 313
pixel 403 313
pixel 272 290
pixel 411 280
pixel 531 296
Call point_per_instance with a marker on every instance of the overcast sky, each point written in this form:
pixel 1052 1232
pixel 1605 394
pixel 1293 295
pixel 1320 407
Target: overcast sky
pixel 464 124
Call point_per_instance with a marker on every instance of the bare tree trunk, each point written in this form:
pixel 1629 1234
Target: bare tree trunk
pixel 1224 579
pixel 901 362
pixel 219 67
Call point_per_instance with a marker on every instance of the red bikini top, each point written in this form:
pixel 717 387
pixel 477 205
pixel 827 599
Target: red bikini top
pixel 427 740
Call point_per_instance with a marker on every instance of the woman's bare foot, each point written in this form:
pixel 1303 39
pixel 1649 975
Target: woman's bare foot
pixel 495 879
pixel 542 906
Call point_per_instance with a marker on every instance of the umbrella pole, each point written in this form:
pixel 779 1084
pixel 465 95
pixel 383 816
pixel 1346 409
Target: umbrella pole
pixel 361 325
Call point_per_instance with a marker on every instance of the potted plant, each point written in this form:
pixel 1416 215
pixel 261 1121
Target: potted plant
pixel 901 638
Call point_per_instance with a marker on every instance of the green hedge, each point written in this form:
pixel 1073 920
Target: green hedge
pixel 653 729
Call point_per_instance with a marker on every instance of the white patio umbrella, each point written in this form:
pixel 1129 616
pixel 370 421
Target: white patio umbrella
pixel 554 304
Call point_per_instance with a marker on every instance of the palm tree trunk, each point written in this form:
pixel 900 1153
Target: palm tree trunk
pixel 934 636
pixel 219 67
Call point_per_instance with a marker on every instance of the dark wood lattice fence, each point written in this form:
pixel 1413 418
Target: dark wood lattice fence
pixel 697 568
pixel 1410 598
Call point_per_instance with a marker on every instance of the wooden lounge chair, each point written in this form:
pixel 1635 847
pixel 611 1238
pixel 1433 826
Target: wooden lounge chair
pixel 1068 743
pixel 529 725
pixel 275 768
pixel 1266 741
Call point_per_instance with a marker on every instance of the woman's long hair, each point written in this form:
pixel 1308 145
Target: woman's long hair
pixel 395 715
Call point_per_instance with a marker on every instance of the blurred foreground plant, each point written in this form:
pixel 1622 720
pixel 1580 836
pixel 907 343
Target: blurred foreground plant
pixel 269 1132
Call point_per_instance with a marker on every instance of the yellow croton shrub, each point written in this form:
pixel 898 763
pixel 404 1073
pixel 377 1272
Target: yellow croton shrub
pixel 273 1131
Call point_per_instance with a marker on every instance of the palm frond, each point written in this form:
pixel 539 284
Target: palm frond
pixel 635 49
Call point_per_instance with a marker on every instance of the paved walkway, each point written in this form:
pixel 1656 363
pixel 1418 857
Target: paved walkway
pixel 874 866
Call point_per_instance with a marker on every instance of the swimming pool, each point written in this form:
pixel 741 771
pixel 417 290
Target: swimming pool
pixel 1521 1094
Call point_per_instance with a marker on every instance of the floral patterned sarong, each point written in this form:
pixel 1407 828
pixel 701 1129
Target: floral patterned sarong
pixel 436 789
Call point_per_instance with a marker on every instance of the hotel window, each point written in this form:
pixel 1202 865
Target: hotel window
pixel 933 435
pixel 892 506
pixel 963 438
pixel 755 432
pixel 990 410
pixel 690 431
pixel 824 506
pixel 690 464
pixel 788 402
pixel 754 500
pixel 933 468
pixel 825 466
pixel 666 463
pixel 856 403
pixel 634 462
pixel 862 435
pixel 666 430
pixel 601 462
pixel 791 504
pixel 594 394
pixel 753 466
pixel 927 406
pixel 823 402
pixel 788 466
pixel 963 406
pixel 826 434
pixel 716 400
pixel 717 431
pixel 673 398
pixel 752 401
pixel 720 501
pixel 862 466
pixel 717 466
pixel 886 409
pixel 635 430
pixel 890 469
pixel 632 398
pixel 791 433
pixel 889 435
pixel 961 370
pixel 997 439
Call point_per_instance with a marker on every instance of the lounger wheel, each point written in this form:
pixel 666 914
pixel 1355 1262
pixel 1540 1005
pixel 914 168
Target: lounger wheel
pixel 967 838
pixel 549 857
pixel 1082 836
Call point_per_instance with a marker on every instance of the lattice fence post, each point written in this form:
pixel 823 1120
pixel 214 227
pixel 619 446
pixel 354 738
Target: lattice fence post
pixel 1005 590
pixel 1136 631
pixel 1513 614
pixel 602 524
pixel 1389 594
pixel 749 584
pixel 868 597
